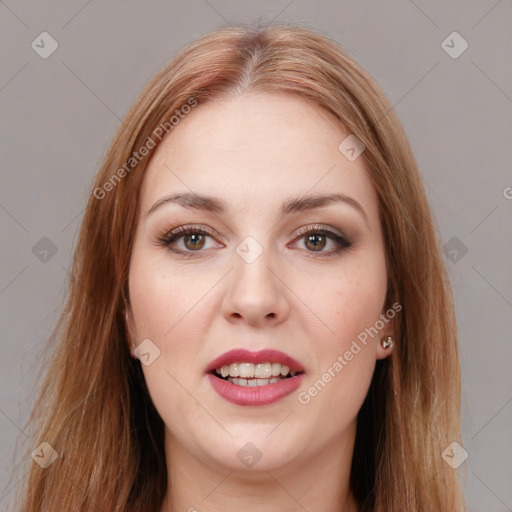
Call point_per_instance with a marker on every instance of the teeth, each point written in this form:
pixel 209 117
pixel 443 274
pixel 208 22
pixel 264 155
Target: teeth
pixel 250 370
pixel 252 382
pixel 263 371
pixel 244 370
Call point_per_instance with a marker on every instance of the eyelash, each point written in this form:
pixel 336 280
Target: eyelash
pixel 169 237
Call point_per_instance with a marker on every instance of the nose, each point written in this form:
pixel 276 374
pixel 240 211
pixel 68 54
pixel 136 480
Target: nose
pixel 256 293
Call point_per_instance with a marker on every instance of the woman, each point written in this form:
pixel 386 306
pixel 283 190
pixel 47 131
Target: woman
pixel 258 313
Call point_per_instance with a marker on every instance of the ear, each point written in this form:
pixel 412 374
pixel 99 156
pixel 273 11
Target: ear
pixel 387 330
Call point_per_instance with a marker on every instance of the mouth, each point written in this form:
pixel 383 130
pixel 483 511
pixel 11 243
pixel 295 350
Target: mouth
pixel 255 378
pixel 253 375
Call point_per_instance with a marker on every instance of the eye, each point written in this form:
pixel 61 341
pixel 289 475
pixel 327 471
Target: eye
pixel 194 239
pixel 316 239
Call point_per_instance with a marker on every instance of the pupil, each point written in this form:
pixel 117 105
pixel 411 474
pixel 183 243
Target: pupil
pixel 311 238
pixel 196 240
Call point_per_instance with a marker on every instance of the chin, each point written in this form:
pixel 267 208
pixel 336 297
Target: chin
pixel 254 452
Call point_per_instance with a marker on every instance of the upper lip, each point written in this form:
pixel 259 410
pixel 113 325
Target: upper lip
pixel 241 355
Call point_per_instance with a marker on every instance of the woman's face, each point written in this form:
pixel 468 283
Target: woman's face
pixel 255 281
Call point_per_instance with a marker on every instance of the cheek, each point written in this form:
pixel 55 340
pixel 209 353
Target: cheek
pixel 170 320
pixel 158 300
pixel 348 299
pixel 167 311
pixel 349 303
pixel 349 314
pixel 170 309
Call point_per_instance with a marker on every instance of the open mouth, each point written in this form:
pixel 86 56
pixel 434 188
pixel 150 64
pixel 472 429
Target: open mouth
pixel 254 375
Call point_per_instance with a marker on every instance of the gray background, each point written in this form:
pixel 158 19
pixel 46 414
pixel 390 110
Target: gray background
pixel 59 114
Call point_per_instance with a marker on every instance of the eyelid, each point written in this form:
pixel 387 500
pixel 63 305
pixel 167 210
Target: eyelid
pixel 304 230
pixel 170 236
pixel 183 230
pixel 343 241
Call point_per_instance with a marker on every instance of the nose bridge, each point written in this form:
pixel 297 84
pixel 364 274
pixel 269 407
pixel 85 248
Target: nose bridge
pixel 254 291
pixel 252 260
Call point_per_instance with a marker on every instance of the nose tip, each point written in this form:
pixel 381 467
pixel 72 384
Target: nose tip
pixel 254 293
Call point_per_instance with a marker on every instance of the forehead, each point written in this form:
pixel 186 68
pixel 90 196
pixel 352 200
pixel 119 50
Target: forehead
pixel 256 150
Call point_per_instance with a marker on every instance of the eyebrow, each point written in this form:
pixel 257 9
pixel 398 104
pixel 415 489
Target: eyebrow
pixel 294 205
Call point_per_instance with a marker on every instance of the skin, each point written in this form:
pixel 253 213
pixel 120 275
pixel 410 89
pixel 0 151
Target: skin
pixel 255 151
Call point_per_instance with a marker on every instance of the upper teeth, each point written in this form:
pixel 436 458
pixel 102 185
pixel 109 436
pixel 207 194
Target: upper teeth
pixel 250 370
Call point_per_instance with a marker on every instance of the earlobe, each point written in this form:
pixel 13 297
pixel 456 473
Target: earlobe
pixel 386 342
pixel 385 347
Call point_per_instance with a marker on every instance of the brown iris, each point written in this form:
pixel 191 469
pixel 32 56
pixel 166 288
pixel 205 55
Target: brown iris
pixel 315 246
pixel 197 243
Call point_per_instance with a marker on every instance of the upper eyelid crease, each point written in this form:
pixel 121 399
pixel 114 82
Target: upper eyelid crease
pixel 340 238
pixel 218 206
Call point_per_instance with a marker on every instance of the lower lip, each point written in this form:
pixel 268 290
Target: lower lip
pixel 257 395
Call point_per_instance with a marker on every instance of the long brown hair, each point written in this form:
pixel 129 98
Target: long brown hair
pixel 94 408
